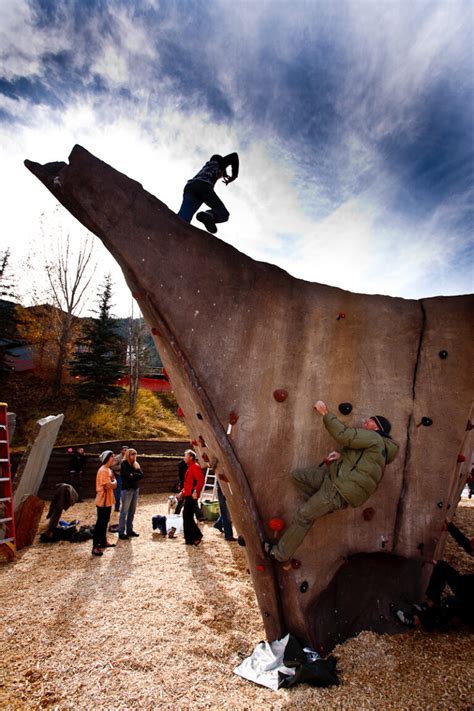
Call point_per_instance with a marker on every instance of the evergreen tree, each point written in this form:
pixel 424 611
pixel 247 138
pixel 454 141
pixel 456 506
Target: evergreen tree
pixel 100 354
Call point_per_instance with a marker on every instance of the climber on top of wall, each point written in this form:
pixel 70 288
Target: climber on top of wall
pixel 200 189
pixel 343 479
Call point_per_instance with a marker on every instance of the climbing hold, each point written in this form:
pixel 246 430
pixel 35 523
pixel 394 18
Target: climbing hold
pixel 202 442
pixel 461 458
pixel 425 421
pixel 439 504
pixel 392 606
pixel 233 417
pixel 180 412
pixel 381 617
pixel 340 315
pixel 384 541
pixel 469 426
pixel 276 525
pixel 295 564
pixel 260 567
pixel 204 457
pixel 280 395
pixel 345 408
pixel 135 294
pixel 194 443
pixel 199 416
pixel 368 514
pixel 448 506
pixel 443 355
pixel 266 614
pixel 420 547
pixel 304 586
pixel 241 541
pixel 155 331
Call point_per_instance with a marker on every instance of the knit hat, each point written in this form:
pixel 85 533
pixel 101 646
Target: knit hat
pixel 382 423
pixel 105 455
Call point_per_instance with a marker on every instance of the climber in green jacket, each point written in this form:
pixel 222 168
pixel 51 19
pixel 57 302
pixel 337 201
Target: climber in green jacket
pixel 345 478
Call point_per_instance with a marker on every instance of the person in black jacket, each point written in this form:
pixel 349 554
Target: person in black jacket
pixel 76 469
pixel 131 475
pixel 200 189
pixel 438 610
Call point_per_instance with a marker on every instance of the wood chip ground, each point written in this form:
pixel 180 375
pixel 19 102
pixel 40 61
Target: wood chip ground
pixel 157 624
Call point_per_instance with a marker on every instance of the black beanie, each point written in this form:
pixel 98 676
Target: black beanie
pixel 382 423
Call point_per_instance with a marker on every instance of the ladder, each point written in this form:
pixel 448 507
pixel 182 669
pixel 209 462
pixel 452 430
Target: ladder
pixel 7 521
pixel 209 490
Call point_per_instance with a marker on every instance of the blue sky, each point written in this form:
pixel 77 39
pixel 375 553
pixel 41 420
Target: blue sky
pixel 353 120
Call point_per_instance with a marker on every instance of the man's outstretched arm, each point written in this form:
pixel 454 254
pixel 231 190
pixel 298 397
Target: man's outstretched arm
pixel 354 437
pixel 232 161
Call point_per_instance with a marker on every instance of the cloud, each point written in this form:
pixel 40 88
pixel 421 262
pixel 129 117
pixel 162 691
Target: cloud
pixel 353 121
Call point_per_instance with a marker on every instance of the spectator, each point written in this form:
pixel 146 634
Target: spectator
pixel 438 610
pixel 76 469
pixel 193 483
pixel 182 469
pixel 224 522
pixel 118 459
pixel 105 485
pixel 131 476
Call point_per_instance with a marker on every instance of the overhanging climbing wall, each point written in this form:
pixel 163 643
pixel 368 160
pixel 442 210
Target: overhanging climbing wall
pixel 247 345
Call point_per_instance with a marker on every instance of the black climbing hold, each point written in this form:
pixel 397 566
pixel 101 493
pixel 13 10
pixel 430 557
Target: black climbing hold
pixel 345 408
pixel 440 504
pixel 420 547
pixel 241 541
pixel 392 606
pixel 199 416
pixel 304 586
pixel 267 614
pixel 443 355
pixel 381 617
pixel 426 421
pixel 448 506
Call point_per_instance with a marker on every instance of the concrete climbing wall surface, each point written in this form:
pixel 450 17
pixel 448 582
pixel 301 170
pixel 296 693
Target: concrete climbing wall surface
pixel 32 466
pixel 249 349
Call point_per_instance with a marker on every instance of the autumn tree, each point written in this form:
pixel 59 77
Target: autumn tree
pixel 8 327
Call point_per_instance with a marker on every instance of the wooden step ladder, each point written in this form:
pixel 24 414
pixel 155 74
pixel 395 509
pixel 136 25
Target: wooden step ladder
pixel 209 490
pixel 7 521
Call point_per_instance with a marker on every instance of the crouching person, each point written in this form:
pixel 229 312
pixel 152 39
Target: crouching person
pixel 345 478
pixel 131 475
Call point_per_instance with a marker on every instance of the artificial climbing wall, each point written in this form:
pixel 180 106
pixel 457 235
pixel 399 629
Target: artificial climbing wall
pixel 249 349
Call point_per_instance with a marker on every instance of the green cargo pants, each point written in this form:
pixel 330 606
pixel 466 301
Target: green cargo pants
pixel 321 498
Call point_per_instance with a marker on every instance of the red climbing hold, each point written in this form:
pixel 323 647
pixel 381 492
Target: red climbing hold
pixel 461 458
pixel 233 417
pixel 194 442
pixel 202 442
pixel 340 315
pixel 180 412
pixel 276 525
pixel 205 457
pixel 295 564
pixel 469 426
pixel 155 331
pixel 280 395
pixel 260 568
pixel 368 514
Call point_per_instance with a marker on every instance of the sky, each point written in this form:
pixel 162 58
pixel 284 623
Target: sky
pixel 353 120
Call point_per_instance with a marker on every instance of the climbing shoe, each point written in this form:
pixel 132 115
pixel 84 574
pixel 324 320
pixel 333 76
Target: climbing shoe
pixel 207 221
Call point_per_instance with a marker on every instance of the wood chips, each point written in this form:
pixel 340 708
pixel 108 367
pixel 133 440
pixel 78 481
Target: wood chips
pixel 157 624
